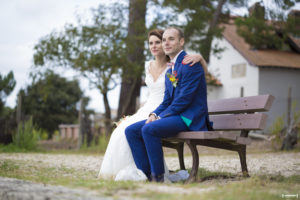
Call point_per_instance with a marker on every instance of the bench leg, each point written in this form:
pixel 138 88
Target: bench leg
pixel 195 166
pixel 242 154
pixel 179 148
pixel 181 155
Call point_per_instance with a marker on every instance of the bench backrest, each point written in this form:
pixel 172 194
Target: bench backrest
pixel 240 113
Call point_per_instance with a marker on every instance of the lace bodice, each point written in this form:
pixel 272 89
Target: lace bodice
pixel 156 88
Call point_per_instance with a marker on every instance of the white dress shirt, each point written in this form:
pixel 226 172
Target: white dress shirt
pixel 174 60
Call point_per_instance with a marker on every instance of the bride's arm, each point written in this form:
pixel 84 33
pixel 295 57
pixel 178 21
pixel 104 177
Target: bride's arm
pixel 194 58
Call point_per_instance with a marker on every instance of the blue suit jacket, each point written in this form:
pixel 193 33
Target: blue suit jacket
pixel 189 98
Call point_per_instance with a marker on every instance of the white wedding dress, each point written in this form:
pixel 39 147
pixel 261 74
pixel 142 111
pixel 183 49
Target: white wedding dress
pixel 118 162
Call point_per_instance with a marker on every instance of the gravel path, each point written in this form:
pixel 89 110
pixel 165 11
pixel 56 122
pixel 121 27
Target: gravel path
pixel 14 189
pixel 285 164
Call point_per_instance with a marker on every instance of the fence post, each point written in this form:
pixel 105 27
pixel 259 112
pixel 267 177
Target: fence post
pixel 80 121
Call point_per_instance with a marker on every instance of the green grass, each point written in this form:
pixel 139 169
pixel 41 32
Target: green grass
pixel 12 148
pixel 257 187
pixel 253 188
pixel 219 185
pixel 61 176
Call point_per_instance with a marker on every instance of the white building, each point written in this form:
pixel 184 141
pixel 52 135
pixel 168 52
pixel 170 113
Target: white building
pixel 247 72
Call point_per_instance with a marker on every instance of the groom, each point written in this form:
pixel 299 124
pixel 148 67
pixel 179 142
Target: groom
pixel 184 108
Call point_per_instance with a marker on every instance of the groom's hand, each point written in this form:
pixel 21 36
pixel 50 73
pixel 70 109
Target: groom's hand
pixel 151 118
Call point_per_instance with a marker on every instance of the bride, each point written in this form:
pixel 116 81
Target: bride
pixel 118 162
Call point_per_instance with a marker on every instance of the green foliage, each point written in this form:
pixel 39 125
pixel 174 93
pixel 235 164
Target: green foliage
pixel 51 100
pixel 296 114
pixel 7 85
pixel 296 118
pixel 96 50
pixel 98 145
pixel 43 134
pixel 260 35
pixel 269 27
pixel 26 137
pixel 276 131
pixel 7 125
pixel 292 26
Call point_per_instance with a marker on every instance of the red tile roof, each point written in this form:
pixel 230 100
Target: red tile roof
pixel 261 58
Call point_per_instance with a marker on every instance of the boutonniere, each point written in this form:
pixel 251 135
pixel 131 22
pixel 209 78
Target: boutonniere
pixel 173 78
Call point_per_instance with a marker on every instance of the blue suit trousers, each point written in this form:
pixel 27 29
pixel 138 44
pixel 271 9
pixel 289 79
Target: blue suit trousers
pixel 145 142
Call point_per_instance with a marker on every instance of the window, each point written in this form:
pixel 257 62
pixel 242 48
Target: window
pixel 238 70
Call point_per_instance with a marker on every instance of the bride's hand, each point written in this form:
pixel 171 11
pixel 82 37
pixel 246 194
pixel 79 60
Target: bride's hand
pixel 192 59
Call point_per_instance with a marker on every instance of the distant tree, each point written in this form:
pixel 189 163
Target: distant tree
pixel 96 50
pixel 7 85
pixel 51 100
pixel 7 115
pixel 269 27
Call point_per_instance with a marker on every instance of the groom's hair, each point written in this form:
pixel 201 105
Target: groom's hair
pixel 179 30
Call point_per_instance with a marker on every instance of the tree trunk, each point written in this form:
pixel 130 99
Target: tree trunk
pixel 291 138
pixel 107 119
pixel 131 78
pixel 210 33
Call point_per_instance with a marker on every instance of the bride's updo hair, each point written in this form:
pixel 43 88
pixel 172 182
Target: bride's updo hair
pixel 158 33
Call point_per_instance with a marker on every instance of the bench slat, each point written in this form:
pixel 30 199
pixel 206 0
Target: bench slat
pixel 203 135
pixel 198 135
pixel 252 104
pixel 228 135
pixel 255 121
pixel 206 135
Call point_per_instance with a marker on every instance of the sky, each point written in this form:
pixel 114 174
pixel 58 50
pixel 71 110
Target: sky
pixel 24 22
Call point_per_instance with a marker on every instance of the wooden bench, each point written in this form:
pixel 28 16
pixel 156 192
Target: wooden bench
pixel 236 114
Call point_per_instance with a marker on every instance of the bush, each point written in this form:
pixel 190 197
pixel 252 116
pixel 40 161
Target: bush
pixel 27 136
pixel 98 145
pixel 277 132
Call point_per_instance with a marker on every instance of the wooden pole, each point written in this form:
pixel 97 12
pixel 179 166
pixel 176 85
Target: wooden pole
pixel 242 92
pixel 19 120
pixel 289 107
pixel 18 117
pixel 80 121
